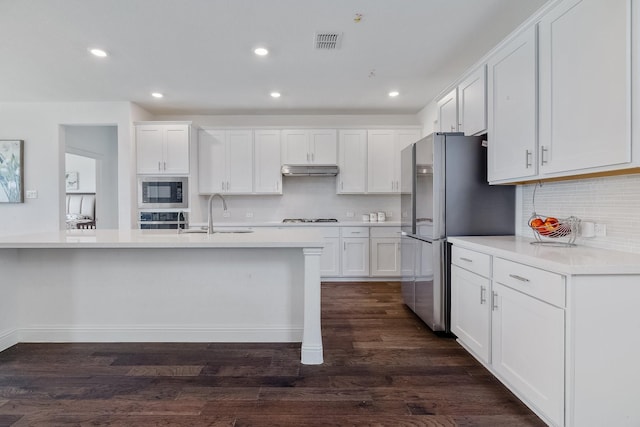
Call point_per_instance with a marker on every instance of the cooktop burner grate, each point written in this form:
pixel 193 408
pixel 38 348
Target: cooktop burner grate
pixel 309 220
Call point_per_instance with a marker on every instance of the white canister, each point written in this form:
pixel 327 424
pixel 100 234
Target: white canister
pixel 373 217
pixel 365 217
pixel 382 217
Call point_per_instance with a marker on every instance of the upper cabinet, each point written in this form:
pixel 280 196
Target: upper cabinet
pixel 225 161
pixel 448 112
pixel 472 103
pixel 304 146
pixel 267 176
pixel 352 161
pixel 512 108
pixel 162 149
pixel 585 96
pixel 383 158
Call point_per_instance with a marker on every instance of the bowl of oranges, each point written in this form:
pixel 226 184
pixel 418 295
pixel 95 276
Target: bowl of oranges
pixel 553 228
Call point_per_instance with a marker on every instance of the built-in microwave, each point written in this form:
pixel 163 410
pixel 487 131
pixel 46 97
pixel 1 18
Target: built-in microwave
pixel 163 192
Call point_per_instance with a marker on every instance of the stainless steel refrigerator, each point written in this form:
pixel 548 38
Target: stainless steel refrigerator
pixel 444 192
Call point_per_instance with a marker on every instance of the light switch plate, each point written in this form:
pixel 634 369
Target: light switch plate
pixel 31 194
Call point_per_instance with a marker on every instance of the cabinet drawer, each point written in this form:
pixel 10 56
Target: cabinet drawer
pixel 541 284
pixel 355 231
pixel 385 232
pixel 327 231
pixel 476 262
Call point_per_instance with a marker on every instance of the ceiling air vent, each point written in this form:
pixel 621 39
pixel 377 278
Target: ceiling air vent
pixel 326 40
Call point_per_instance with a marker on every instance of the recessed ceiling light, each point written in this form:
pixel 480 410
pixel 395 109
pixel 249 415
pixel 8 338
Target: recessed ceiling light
pixel 157 95
pixel 275 94
pixel 260 51
pixel 394 93
pixel 98 52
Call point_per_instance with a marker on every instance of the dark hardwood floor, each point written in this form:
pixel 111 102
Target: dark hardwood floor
pixel 383 367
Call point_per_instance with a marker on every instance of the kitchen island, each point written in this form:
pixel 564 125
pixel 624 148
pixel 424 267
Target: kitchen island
pixel 160 286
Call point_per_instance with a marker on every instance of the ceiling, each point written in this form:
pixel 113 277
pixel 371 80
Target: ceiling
pixel 199 53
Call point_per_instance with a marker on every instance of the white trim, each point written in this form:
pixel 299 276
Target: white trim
pixel 9 339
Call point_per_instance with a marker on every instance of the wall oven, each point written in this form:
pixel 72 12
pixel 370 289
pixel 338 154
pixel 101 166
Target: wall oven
pixel 163 220
pixel 163 192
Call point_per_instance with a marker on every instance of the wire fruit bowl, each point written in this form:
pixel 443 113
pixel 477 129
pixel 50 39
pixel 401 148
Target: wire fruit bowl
pixel 550 230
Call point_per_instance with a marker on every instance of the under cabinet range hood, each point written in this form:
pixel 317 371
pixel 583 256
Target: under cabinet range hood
pixel 309 170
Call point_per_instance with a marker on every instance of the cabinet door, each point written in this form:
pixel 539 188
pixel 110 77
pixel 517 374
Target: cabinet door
pixel 448 112
pixel 470 311
pixel 403 138
pixel 472 103
pixel 323 147
pixel 176 149
pixel 239 161
pixel 149 149
pixel 268 179
pixel 330 259
pixel 352 161
pixel 295 147
pixel 355 256
pixel 512 110
pixel 381 176
pixel 528 349
pixel 212 175
pixel 385 256
pixel 585 118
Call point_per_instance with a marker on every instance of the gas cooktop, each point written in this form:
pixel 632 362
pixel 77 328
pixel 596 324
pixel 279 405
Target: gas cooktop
pixel 309 220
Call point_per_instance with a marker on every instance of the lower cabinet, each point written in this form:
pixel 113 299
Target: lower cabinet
pixel 330 259
pixel 385 252
pixel 355 251
pixel 511 317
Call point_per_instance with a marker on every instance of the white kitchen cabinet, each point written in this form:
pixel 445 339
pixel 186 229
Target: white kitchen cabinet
pixel 585 116
pixel 330 259
pixel 528 349
pixel 512 109
pixel 384 245
pixel 162 149
pixel 267 174
pixel 472 103
pixel 448 112
pixel 383 158
pixel 309 146
pixel 355 251
pixel 225 161
pixel 471 301
pixel 352 162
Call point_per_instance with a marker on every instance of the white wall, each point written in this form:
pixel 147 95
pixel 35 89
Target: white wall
pixel 613 201
pixel 428 117
pixel 85 167
pixel 40 125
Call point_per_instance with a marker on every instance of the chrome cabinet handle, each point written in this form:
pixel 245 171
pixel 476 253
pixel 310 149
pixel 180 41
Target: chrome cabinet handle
pixel 164 164
pixel 483 298
pixel 528 158
pixel 222 185
pixel 543 150
pixel 494 301
pixel 466 259
pixel 520 278
pixel 159 167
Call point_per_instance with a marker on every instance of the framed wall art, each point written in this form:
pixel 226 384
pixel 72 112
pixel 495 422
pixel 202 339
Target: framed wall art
pixel 11 171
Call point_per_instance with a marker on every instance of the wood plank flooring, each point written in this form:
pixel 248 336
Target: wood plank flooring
pixel 383 367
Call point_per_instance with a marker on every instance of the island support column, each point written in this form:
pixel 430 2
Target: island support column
pixel 311 353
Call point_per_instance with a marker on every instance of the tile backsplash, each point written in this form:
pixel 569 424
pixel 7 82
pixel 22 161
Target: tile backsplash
pixel 612 201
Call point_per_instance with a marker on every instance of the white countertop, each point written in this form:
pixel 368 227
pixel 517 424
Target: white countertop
pixel 259 238
pixel 577 260
pixel 300 224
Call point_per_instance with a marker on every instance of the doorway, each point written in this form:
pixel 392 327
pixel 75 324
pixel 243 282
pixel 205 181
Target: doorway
pixel 91 168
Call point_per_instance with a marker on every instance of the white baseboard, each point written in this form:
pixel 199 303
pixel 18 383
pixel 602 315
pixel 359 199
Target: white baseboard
pixel 9 339
pixel 159 334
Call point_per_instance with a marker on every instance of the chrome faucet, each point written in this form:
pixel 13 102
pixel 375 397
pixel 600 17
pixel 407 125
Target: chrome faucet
pixel 210 217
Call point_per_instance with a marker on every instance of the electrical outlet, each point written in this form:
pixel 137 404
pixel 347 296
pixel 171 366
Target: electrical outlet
pixel 600 230
pixel 350 214
pixel 249 214
pixel 226 214
pixel 32 194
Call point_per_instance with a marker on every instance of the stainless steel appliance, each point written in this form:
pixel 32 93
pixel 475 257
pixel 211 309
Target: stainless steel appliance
pixel 316 220
pixel 444 192
pixel 163 192
pixel 163 220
